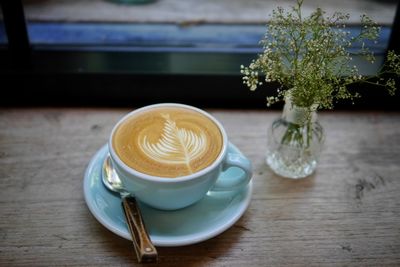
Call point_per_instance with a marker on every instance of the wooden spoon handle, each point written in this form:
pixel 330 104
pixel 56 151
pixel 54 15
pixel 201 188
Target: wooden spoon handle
pixel 144 248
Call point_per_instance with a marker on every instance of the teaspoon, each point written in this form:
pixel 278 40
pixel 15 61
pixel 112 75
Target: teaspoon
pixel 144 248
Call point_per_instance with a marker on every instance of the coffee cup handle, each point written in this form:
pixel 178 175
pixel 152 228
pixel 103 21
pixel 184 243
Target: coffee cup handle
pixel 237 182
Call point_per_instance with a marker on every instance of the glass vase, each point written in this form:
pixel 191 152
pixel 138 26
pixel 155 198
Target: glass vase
pixel 295 142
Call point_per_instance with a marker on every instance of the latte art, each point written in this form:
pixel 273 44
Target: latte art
pixel 176 145
pixel 168 141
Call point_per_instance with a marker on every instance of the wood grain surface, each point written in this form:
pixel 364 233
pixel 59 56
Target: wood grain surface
pixel 191 12
pixel 346 214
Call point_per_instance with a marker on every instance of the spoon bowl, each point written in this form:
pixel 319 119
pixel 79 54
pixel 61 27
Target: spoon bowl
pixel 110 177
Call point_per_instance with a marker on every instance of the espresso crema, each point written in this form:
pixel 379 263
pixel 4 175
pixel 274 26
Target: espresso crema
pixel 167 141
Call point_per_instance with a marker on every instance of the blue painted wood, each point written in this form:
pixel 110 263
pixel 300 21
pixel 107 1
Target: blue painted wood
pixel 202 37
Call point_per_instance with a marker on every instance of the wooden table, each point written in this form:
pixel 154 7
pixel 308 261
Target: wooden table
pixel 346 214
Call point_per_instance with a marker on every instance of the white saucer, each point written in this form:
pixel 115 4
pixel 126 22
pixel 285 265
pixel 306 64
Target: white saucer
pixel 215 213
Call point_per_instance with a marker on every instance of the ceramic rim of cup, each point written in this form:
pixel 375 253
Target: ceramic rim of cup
pixel 195 175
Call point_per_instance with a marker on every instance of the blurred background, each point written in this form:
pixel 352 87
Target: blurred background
pixel 136 52
pixel 192 11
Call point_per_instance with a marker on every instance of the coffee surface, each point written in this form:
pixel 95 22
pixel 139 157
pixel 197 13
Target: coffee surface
pixel 168 141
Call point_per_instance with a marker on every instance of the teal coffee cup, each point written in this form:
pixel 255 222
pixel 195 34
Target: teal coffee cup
pixel 169 156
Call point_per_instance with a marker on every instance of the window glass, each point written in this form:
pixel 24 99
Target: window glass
pixel 3 35
pixel 209 25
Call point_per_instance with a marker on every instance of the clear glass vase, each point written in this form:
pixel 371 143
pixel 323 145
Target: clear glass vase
pixel 294 142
